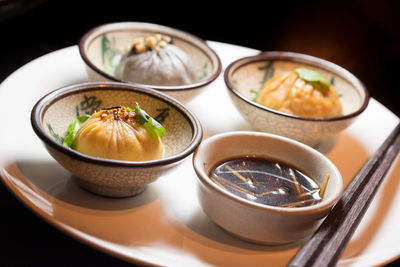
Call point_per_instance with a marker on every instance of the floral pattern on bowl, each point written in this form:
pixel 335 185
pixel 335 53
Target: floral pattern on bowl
pixel 55 111
pixel 103 47
pixel 245 77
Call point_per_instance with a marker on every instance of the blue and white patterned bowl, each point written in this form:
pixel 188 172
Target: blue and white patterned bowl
pixel 54 112
pixel 248 74
pixel 102 47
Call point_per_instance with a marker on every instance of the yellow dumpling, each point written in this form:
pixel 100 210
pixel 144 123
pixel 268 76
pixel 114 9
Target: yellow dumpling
pixel 114 134
pixel 288 93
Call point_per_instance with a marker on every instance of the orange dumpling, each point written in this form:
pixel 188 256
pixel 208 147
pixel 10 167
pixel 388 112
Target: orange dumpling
pixel 288 93
pixel 114 134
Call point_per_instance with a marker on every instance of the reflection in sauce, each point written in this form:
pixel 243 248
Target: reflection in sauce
pixel 267 182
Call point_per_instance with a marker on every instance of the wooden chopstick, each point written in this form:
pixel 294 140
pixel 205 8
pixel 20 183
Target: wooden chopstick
pixel 327 244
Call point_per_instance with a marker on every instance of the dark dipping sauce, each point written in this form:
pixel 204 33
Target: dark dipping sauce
pixel 268 182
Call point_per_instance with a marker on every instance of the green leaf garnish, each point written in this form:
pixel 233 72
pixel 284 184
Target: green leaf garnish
pixel 151 125
pixel 127 108
pixel 73 129
pixel 314 78
pixel 256 95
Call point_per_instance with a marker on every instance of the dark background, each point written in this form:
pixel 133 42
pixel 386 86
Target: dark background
pixel 361 36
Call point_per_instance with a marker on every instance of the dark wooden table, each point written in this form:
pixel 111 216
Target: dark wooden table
pixel 361 37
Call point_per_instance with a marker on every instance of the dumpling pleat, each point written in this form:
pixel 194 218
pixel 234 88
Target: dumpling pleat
pixel 116 139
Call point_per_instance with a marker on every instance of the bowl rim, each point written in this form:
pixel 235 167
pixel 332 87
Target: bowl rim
pixel 298 58
pixel 204 180
pixel 132 24
pixel 47 100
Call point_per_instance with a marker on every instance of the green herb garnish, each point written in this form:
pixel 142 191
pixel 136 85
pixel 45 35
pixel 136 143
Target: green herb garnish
pixel 314 78
pixel 73 129
pixel 256 94
pixel 127 108
pixel 151 125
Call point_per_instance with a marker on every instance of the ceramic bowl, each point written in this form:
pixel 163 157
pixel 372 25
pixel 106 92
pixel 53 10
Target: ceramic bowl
pixel 102 47
pixel 54 112
pixel 253 221
pixel 248 74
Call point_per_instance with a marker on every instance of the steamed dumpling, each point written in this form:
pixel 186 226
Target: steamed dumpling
pixel 156 61
pixel 115 134
pixel 289 93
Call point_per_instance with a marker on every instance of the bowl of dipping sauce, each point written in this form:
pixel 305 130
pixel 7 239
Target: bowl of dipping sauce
pixel 295 95
pixel 265 188
pixel 166 59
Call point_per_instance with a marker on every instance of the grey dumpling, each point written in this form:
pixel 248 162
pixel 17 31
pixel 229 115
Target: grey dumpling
pixel 168 66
